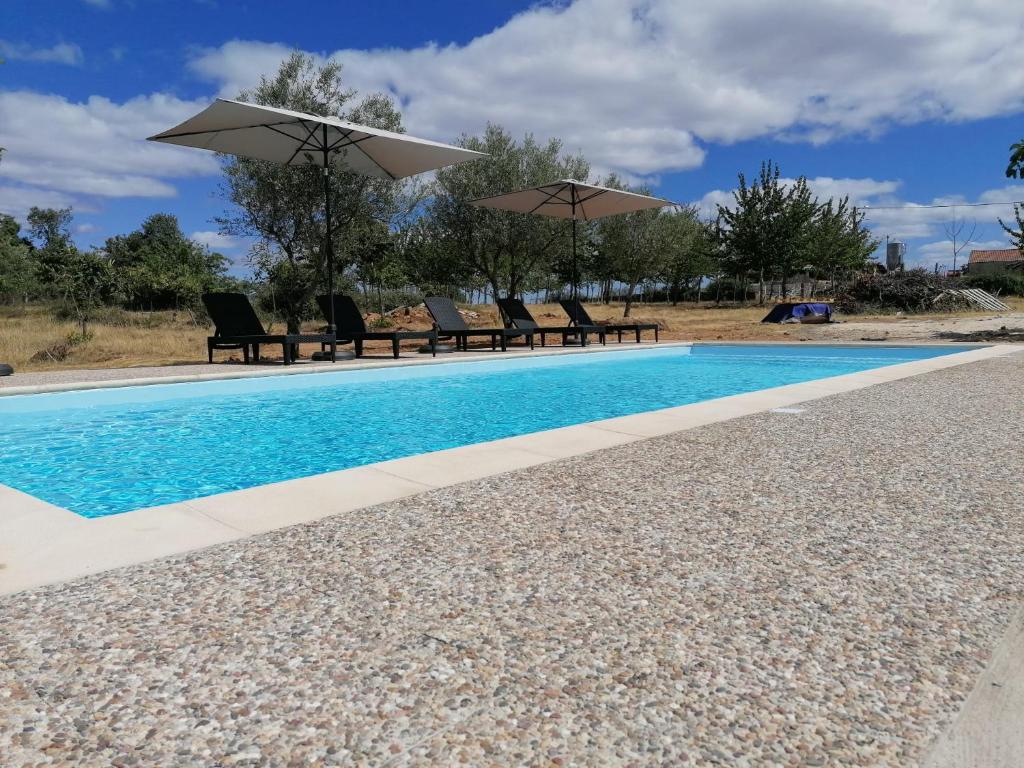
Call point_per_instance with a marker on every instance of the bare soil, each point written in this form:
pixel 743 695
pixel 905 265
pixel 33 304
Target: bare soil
pixel 167 338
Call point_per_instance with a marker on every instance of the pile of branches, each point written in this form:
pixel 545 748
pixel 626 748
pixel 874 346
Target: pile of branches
pixel 913 290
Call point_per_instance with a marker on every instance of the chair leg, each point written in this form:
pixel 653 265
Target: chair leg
pixel 334 351
pixel 531 343
pixel 286 351
pixel 359 347
pixel 255 353
pixel 394 347
pixel 620 337
pixel 655 334
pixel 433 346
pixel 638 334
pixel 504 343
pixel 209 351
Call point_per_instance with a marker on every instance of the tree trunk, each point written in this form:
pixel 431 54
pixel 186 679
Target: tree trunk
pixel 629 299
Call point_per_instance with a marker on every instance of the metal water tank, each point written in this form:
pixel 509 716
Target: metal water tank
pixel 894 251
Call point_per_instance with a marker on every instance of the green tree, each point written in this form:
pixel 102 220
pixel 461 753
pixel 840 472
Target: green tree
pixel 158 267
pixel 512 252
pixel 767 230
pixel 635 245
pixel 692 255
pixel 17 275
pixel 1016 235
pixel 838 242
pixel 50 232
pixel 83 281
pixel 1015 168
pixel 283 206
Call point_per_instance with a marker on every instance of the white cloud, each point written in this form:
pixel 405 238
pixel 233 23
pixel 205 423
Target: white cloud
pixel 860 191
pixel 97 147
pixel 886 215
pixel 941 252
pixel 61 53
pixel 215 240
pixel 16 200
pixel 639 84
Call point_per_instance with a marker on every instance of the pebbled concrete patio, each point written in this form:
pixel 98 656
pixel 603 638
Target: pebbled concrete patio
pixel 821 587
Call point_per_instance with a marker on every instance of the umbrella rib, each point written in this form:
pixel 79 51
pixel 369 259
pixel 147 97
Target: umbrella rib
pixel 312 132
pixel 584 200
pixel 548 199
pixel 349 142
pixel 236 128
pixel 335 145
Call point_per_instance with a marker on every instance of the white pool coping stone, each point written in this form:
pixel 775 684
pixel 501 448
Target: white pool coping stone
pixel 41 543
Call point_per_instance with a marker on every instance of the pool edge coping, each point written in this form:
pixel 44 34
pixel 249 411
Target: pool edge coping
pixel 48 544
pixel 362 364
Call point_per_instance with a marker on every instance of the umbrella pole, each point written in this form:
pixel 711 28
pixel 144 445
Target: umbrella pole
pixel 575 266
pixel 331 328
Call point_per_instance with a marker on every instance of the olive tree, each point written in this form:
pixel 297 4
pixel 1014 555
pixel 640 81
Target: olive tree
pixel 505 249
pixel 282 207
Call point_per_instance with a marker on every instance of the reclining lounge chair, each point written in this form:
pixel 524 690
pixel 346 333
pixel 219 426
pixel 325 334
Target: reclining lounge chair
pixel 451 325
pixel 518 316
pixel 352 327
pixel 238 327
pixel 578 317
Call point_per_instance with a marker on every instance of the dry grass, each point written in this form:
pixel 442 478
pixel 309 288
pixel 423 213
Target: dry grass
pixel 165 338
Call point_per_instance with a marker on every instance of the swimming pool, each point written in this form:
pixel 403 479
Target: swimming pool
pixel 107 451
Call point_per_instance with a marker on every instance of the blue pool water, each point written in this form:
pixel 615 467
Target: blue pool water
pixel 102 452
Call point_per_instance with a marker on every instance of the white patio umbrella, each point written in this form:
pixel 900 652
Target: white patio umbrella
pixel 571 199
pixel 296 138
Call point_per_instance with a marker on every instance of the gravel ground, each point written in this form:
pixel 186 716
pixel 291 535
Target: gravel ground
pixel 819 588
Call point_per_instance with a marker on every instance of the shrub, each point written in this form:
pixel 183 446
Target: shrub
pixel 999 284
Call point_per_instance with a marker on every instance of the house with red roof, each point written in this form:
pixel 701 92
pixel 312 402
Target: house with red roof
pixel 992 262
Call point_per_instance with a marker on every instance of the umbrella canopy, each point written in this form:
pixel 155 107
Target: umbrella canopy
pixel 296 138
pixel 571 199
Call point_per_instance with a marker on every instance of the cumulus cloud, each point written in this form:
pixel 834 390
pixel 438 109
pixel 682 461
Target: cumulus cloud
pixel 61 53
pixel 888 215
pixel 641 85
pixel 16 201
pixel 942 250
pixel 215 241
pixel 96 148
pixel 861 192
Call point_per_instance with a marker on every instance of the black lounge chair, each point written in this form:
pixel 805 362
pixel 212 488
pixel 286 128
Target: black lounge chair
pixel 238 327
pixel 451 325
pixel 578 317
pixel 518 316
pixel 352 327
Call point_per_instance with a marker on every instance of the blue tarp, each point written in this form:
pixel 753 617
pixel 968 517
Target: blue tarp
pixel 782 312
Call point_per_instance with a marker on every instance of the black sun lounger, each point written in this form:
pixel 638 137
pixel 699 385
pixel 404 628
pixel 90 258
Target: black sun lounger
pixel 238 327
pixel 352 327
pixel 518 316
pixel 451 325
pixel 578 317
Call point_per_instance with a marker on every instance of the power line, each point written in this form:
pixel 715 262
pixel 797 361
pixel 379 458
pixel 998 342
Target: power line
pixel 937 205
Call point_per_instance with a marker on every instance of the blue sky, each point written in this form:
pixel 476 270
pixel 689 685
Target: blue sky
pixel 906 105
